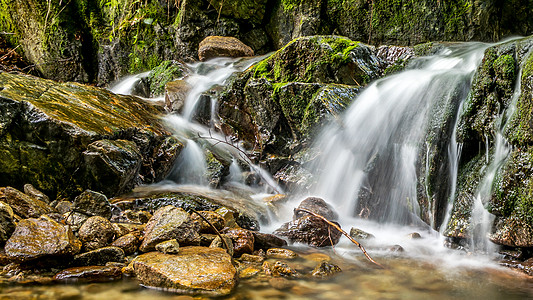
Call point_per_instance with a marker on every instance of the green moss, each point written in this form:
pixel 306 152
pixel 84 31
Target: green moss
pixel 162 74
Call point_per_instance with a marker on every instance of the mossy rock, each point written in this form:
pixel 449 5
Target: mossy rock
pixel 65 137
pixel 320 59
pixel 164 73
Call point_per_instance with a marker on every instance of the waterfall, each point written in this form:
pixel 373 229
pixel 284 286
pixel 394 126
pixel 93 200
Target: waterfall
pixel 126 85
pixel 369 162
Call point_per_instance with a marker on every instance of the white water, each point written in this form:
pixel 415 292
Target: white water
pixel 374 153
pixel 126 85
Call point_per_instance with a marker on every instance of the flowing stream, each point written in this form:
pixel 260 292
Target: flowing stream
pixel 369 163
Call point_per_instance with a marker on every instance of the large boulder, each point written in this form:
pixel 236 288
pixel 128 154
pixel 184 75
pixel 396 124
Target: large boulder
pixel 41 238
pixel 66 137
pixel 509 198
pixel 197 270
pixel 309 230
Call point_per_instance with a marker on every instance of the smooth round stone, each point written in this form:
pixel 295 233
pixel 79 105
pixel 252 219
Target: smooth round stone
pixel 281 253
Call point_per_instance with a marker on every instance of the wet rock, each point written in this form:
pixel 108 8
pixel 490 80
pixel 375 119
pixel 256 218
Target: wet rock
pixel 396 248
pixel 214 218
pixel 217 46
pixel 284 270
pixel 41 238
pixel 7 224
pixel 168 247
pixel 129 243
pixel 248 272
pixel 280 283
pixel 227 244
pixel 99 257
pixel 24 205
pixel 175 94
pixel 92 204
pixel 31 191
pixel 309 230
pixel 164 73
pixel 96 232
pixel 197 270
pixel 251 258
pixel 89 274
pixel 281 253
pixel 64 207
pixel 120 230
pixel 317 257
pixel 325 269
pixel 414 236
pixel 169 223
pixel 359 234
pixel 318 206
pixel 75 220
pixel 266 241
pixel 243 241
pixel 50 125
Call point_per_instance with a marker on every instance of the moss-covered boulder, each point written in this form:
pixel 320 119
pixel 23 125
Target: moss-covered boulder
pixel 64 138
pixel 277 104
pixel 499 102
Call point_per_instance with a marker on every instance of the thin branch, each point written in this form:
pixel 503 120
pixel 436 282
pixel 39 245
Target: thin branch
pixel 212 226
pixel 344 233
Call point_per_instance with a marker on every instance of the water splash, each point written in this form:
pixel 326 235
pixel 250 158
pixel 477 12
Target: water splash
pixel 126 85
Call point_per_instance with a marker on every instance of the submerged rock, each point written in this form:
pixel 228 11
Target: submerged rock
pixel 62 137
pixel 169 223
pixel 325 269
pixel 89 274
pixel 218 46
pixel 196 270
pixel 41 238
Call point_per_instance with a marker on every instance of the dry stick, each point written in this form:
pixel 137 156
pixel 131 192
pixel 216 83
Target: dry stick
pixel 344 233
pixel 212 226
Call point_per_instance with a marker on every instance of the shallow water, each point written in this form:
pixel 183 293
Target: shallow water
pixel 404 278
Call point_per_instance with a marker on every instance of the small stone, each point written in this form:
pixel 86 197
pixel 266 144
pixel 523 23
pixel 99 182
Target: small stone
pixel 89 274
pixel 31 191
pixel 280 283
pixel 168 247
pixel 93 204
pixel 281 253
pixel 96 232
pixel 248 272
pixel 325 269
pixel 218 46
pixel 75 220
pixel 243 241
pixel 129 243
pixel 251 258
pixel 214 218
pixel 396 248
pixel 357 233
pixel 217 243
pixel 414 236
pixel 24 205
pixel 64 207
pixel 266 241
pixel 99 257
pixel 284 270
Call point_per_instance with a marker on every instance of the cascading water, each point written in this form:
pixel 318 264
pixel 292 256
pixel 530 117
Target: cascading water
pixel 369 162
pixel 126 85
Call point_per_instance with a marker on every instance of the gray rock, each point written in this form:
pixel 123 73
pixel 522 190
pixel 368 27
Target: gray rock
pixel 92 204
pixel 31 191
pixel 357 234
pixel 168 247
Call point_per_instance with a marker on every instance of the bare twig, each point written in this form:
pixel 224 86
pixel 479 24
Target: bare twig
pixel 344 233
pixel 212 226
